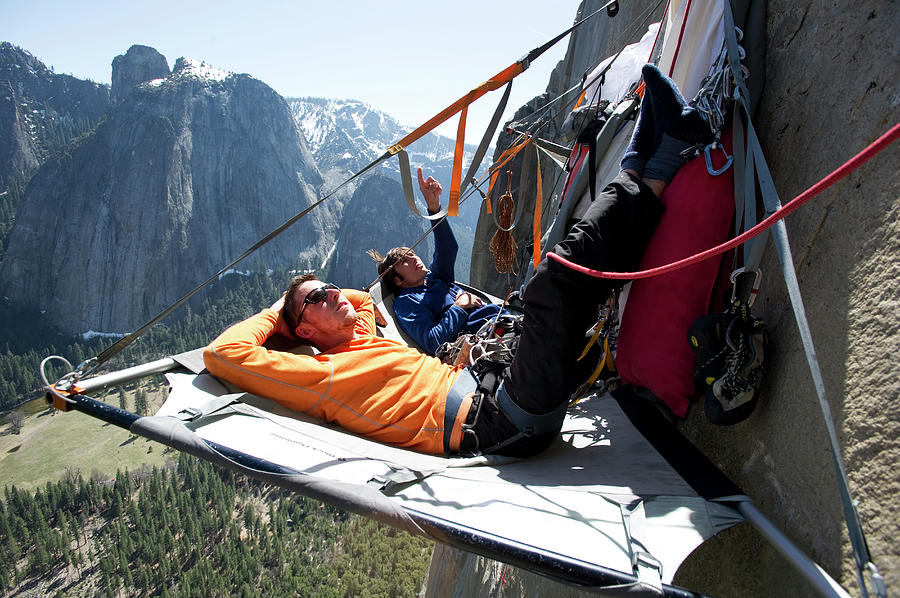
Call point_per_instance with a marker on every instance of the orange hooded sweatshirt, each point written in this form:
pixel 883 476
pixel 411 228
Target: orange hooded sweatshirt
pixel 372 386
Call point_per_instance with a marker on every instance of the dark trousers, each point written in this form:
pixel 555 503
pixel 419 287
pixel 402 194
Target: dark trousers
pixel 561 304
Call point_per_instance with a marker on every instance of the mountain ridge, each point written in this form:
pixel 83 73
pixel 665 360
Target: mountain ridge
pixel 138 185
pixel 183 170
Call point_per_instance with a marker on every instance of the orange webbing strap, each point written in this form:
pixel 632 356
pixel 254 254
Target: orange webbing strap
pixel 579 100
pixel 460 105
pixel 504 76
pixel 456 173
pixel 538 201
pixel 505 157
pixel 640 90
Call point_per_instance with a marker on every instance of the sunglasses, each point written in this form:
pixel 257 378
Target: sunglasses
pixel 315 296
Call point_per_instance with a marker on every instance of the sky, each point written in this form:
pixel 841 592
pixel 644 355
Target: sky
pixel 409 59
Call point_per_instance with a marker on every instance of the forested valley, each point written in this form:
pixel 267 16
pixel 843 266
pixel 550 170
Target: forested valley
pixel 191 529
pixel 186 528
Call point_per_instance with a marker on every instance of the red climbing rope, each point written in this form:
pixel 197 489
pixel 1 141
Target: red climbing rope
pixel 851 165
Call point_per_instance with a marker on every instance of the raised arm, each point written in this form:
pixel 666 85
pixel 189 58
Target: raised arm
pixel 239 356
pixel 445 246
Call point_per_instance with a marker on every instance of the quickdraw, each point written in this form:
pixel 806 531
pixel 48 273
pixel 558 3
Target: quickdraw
pixel 496 341
pixel 606 329
pixel 717 90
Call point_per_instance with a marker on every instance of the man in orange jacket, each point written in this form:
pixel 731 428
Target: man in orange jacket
pixel 392 393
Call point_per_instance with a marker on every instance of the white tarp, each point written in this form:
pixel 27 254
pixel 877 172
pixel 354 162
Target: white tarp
pixel 596 491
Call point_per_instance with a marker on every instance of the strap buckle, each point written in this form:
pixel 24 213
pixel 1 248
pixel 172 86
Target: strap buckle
pixel 189 414
pixel 642 557
pixel 647 568
pixel 754 288
pixel 877 579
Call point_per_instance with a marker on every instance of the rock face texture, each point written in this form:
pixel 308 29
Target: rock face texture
pixel 40 111
pixel 138 64
pixel 846 245
pixel 184 174
pixel 378 199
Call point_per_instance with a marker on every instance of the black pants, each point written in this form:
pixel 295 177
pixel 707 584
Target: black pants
pixel 561 304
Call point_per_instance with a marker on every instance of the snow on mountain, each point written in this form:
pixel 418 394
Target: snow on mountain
pixel 320 119
pixel 346 135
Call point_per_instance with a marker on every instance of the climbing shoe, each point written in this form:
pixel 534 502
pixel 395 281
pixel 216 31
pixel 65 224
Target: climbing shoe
pixel 729 355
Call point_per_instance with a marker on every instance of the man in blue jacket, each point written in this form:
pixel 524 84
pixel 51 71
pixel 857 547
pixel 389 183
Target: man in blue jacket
pixel 429 306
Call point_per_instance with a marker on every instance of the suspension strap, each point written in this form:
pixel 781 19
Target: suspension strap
pixel 456 172
pixel 460 106
pixel 538 207
pixel 408 193
pixel 457 185
pixel 486 139
pixel 646 567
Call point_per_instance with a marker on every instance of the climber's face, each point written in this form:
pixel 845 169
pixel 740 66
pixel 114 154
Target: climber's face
pixel 410 272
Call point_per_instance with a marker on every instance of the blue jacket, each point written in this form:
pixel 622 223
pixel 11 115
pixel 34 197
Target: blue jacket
pixel 426 312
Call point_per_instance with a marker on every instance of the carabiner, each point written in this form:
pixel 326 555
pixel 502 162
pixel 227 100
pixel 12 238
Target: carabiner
pixel 709 165
pixel 754 289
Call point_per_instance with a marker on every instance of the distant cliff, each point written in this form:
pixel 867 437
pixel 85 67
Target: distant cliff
pixel 378 199
pixel 185 173
pixel 192 166
pixel 40 111
pixel 345 135
pixel 40 114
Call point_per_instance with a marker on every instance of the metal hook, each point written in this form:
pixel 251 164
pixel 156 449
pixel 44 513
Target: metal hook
pixel 709 165
pixel 754 289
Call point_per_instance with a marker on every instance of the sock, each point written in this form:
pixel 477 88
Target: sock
pixel 672 114
pixel 643 140
pixel 667 160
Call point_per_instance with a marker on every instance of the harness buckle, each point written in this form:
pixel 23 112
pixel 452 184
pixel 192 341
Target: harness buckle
pixel 877 579
pixel 641 557
pixel 189 414
pixel 754 288
pixel 709 165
